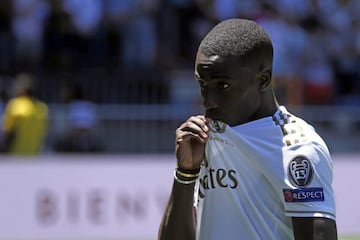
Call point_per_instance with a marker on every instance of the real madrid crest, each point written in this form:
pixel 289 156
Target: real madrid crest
pixel 300 171
pixel 217 126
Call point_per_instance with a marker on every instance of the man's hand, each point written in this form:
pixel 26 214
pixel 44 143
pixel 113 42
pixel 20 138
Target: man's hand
pixel 191 137
pixel 179 221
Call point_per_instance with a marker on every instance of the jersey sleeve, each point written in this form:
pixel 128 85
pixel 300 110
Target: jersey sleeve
pixel 307 184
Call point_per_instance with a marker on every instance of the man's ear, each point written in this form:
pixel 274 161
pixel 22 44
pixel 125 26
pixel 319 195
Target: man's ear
pixel 264 78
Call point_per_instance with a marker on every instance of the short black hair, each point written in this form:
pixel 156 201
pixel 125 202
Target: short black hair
pixel 240 38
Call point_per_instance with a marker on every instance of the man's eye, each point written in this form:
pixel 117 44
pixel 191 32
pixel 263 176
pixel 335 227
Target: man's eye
pixel 223 85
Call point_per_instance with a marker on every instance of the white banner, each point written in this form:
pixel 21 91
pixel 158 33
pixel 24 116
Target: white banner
pixel 347 194
pixel 90 198
pixel 115 197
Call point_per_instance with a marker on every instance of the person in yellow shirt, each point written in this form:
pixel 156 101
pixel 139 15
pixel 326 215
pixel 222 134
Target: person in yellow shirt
pixel 25 120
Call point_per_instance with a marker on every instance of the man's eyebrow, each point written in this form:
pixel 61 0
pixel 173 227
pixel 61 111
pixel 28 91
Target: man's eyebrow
pixel 214 75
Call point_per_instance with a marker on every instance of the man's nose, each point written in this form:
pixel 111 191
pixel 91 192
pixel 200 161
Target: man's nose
pixel 209 101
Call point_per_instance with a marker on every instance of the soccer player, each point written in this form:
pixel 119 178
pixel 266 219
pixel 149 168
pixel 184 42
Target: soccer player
pixel 247 169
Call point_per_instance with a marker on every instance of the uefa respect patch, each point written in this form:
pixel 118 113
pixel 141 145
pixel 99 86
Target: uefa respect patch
pixel 304 195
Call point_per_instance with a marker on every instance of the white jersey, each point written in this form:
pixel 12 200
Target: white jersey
pixel 258 175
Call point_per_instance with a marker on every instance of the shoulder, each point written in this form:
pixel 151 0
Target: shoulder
pixel 15 106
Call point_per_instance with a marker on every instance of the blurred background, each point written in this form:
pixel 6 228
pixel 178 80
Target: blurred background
pixel 122 70
pixel 116 76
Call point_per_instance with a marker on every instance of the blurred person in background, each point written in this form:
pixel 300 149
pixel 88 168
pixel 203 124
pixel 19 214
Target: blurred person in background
pixel 342 23
pixel 28 24
pixel 25 119
pixel 136 22
pixel 317 71
pixel 82 121
pixel 289 44
pixel 86 17
pixel 58 38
